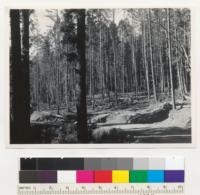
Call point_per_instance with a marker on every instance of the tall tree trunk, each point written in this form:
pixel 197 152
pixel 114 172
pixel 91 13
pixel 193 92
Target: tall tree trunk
pixel 81 79
pixel 90 60
pixel 178 63
pixel 115 66
pixel 170 59
pixel 134 62
pixel 122 61
pixel 57 40
pixel 100 58
pixel 160 54
pixel 37 83
pixel 92 77
pixel 151 55
pixel 145 57
pixel 67 82
pixel 115 74
pixel 19 70
pixel 179 77
pixel 25 72
pixel 15 59
pixel 108 83
pixel 182 70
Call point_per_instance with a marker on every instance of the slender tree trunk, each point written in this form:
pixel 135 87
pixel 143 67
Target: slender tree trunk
pixel 37 84
pixel 114 61
pixel 92 77
pixel 167 80
pixel 122 61
pixel 170 59
pixel 108 84
pixel 90 60
pixel 151 55
pixel 160 55
pixel 183 75
pixel 81 79
pixel 91 65
pixel 100 59
pixel 134 62
pixel 74 81
pixel 115 73
pixel 58 62
pixel 107 77
pixel 66 82
pixel 103 63
pixel 178 65
pixel 179 78
pixel 145 57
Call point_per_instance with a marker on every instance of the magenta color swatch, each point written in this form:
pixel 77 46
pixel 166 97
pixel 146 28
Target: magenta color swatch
pixel 84 176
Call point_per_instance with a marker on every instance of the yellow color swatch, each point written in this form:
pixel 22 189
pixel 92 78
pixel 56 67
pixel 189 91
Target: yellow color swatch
pixel 120 176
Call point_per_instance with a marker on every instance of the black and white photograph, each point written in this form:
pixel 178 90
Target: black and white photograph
pixel 100 76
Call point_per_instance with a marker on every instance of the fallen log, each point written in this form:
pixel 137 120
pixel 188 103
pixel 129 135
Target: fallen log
pixel 45 117
pixel 157 115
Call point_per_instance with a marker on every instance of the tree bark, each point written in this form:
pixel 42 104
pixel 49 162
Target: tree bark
pixel 134 62
pixel 67 89
pixel 25 72
pixel 81 79
pixel 151 55
pixel 122 61
pixel 160 54
pixel 115 66
pixel 58 61
pixel 15 59
pixel 145 57
pixel 170 59
pixel 19 74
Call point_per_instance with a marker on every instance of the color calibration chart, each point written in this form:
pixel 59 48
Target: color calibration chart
pixel 141 176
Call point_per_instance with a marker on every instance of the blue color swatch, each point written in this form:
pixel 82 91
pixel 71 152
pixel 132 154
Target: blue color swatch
pixel 155 176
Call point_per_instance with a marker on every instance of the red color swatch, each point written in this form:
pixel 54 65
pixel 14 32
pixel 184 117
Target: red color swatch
pixel 103 176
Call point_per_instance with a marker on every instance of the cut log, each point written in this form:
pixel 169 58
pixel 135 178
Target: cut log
pixel 151 117
pixel 44 116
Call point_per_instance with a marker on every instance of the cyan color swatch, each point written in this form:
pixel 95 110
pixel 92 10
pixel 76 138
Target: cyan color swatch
pixel 155 176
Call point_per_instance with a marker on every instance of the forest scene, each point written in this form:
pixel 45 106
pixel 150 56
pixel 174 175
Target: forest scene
pixel 100 76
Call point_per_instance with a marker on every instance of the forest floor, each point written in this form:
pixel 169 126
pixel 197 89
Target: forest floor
pixel 132 121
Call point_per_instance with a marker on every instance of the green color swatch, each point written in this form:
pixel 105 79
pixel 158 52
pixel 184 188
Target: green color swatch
pixel 139 176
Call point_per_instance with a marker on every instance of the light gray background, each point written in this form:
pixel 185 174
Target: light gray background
pixel 9 158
